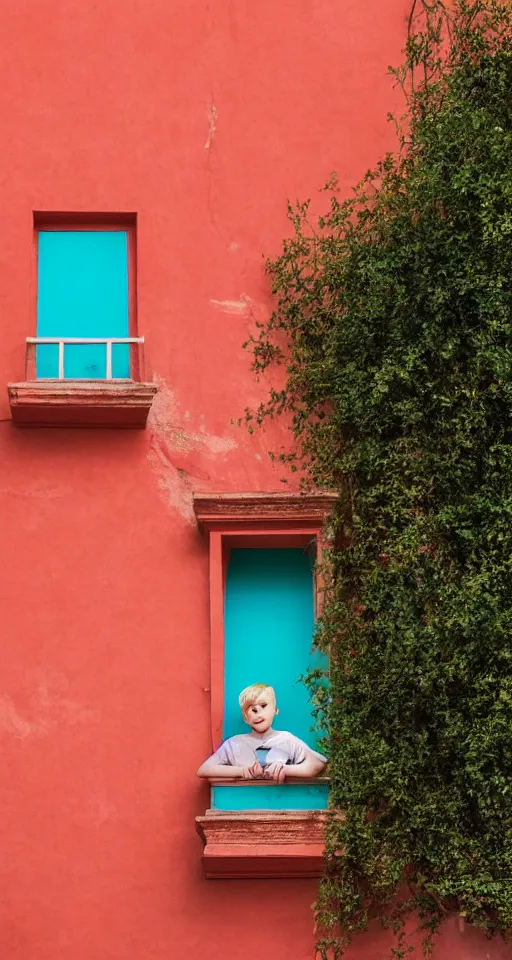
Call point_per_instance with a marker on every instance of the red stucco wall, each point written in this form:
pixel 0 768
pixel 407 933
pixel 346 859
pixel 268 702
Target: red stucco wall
pixel 202 117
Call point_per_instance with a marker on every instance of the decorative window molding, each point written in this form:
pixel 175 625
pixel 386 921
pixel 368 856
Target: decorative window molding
pixel 66 403
pixel 229 510
pixel 250 842
pixel 262 844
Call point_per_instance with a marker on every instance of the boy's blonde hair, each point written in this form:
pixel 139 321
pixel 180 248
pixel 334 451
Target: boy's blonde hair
pixel 250 694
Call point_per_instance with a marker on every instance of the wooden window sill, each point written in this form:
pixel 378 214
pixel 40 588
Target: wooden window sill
pixel 81 403
pixel 237 781
pixel 262 843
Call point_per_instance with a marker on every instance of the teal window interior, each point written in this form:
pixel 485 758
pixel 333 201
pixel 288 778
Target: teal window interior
pixel 82 291
pixel 298 796
pixel 268 629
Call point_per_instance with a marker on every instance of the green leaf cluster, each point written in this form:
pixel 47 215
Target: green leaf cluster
pixel 393 321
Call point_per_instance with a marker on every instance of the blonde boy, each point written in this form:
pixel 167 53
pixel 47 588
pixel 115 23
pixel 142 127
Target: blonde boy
pixel 281 755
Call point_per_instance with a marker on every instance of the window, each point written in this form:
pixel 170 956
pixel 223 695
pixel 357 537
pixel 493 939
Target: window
pixel 85 291
pixel 262 599
pixel 85 365
pixel 268 631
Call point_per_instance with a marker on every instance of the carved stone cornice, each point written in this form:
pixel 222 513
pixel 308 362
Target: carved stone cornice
pixel 262 843
pixel 220 509
pixel 80 403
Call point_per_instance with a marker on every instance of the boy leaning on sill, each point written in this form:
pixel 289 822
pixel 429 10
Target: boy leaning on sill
pixel 284 754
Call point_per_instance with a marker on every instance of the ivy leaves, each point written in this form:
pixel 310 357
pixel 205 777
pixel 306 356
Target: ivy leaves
pixel 393 320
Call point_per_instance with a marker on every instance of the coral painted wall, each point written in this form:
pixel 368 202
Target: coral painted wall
pixel 203 118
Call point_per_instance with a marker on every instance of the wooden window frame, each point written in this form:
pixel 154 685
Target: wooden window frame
pixel 81 403
pixel 256 843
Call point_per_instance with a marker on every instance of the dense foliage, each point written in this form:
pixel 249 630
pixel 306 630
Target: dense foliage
pixel 393 321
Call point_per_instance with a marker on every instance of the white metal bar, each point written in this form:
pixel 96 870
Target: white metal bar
pixel 109 360
pixel 61 342
pixel 61 359
pixel 84 340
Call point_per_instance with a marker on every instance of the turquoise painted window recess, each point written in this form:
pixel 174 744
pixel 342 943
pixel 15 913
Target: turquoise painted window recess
pixel 289 796
pixel 82 291
pixel 269 621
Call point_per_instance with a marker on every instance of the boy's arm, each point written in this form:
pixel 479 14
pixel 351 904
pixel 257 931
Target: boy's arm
pixel 210 768
pixel 218 763
pixel 312 766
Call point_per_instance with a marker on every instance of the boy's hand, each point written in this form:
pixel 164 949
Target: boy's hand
pixel 275 771
pixel 254 772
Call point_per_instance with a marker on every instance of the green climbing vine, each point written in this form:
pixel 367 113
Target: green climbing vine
pixel 393 323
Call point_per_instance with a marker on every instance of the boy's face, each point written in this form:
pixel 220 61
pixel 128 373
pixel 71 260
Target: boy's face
pixel 260 714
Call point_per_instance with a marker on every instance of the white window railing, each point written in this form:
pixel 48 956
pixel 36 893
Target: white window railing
pixel 61 342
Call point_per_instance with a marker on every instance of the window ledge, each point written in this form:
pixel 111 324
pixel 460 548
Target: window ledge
pixel 81 403
pixel 239 782
pixel 259 844
pixel 262 843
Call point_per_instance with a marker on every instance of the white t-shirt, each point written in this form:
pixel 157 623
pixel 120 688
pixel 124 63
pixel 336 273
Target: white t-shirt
pixel 283 747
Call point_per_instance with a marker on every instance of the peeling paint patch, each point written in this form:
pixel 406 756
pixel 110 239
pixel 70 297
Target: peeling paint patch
pixel 217 444
pixel 212 125
pixel 177 494
pixel 178 455
pixel 174 488
pixel 56 707
pixel 12 723
pixel 164 411
pixel 179 459
pixel 165 423
pixel 47 709
pixel 234 307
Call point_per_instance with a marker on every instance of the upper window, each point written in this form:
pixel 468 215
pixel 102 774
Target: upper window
pixel 83 294
pixel 85 366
